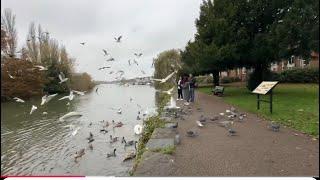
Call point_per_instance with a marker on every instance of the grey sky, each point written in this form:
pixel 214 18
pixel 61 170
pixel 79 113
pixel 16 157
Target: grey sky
pixel 147 26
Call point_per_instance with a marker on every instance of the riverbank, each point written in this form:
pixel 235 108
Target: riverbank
pixel 254 151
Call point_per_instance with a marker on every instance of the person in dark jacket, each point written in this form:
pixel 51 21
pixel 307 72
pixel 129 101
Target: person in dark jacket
pixel 185 90
pixel 180 96
pixel 192 85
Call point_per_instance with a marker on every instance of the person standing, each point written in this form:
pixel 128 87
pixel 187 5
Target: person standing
pixel 192 85
pixel 185 90
pixel 180 96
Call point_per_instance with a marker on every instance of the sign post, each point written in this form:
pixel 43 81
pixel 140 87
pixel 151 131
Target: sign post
pixel 265 88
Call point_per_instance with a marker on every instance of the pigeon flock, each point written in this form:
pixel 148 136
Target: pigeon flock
pixel 226 120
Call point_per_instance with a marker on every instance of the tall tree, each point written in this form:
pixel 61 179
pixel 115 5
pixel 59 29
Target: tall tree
pixel 8 21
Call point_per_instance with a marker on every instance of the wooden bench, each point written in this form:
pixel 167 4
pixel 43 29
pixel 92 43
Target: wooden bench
pixel 218 90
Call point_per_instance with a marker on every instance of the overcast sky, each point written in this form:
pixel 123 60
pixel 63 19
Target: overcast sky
pixel 147 26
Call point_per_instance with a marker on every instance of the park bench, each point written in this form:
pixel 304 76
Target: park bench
pixel 218 90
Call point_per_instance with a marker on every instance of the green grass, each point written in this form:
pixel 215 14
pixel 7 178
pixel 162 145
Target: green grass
pixel 167 150
pixel 294 105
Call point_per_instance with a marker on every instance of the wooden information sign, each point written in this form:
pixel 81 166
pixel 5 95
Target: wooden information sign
pixel 265 88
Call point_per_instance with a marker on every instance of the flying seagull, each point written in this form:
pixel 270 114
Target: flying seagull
pixel 118 39
pixel 110 59
pixel 41 68
pixel 165 79
pixel 79 92
pixel 105 67
pixel 110 72
pixel 33 108
pixel 70 97
pixel 47 98
pixel 136 62
pixel 138 55
pixel 82 43
pixel 168 91
pixel 11 76
pixel 143 72
pixel 18 99
pixel 70 114
pixel 105 52
pixel 62 78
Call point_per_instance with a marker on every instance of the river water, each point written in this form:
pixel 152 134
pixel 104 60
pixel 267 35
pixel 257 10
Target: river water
pixel 40 144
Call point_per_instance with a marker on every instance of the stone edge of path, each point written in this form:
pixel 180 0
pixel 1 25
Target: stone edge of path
pixel 153 162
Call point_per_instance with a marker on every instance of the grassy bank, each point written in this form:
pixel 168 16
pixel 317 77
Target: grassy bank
pixel 294 105
pixel 150 125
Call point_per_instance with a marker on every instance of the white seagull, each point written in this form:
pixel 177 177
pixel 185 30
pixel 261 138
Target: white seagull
pixel 11 76
pixel 199 124
pixel 18 100
pixel 70 97
pixel 33 108
pixel 138 129
pixel 70 114
pixel 165 79
pixel 79 92
pixel 62 78
pixel 168 91
pixel 47 98
pixel 41 68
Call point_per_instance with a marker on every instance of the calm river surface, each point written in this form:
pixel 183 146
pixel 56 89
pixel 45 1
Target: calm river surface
pixel 39 144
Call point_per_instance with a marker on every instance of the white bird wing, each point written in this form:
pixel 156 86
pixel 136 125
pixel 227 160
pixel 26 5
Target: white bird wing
pixel 65 97
pixel 157 80
pixel 43 100
pixel 18 99
pixel 60 77
pixel 50 97
pixel 169 76
pixel 79 92
pixel 33 108
pixel 199 124
pixel 170 90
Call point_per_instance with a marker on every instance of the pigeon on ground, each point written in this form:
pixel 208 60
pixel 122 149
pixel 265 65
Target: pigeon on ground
pixel 275 127
pixel 232 132
pixel 191 133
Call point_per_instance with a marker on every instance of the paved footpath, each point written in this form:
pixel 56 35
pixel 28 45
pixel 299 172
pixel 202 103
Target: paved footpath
pixel 255 151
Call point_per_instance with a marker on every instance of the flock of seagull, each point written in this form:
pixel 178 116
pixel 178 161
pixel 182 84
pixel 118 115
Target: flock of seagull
pixel 110 59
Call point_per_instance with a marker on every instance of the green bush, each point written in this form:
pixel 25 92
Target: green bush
pixel 229 79
pixel 306 75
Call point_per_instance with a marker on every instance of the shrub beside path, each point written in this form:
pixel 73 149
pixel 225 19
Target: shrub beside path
pixel 255 151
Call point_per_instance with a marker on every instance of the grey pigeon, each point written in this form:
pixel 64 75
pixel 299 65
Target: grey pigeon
pixel 275 127
pixel 191 133
pixel 232 132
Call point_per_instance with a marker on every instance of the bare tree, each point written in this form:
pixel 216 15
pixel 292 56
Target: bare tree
pixel 32 46
pixel 8 21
